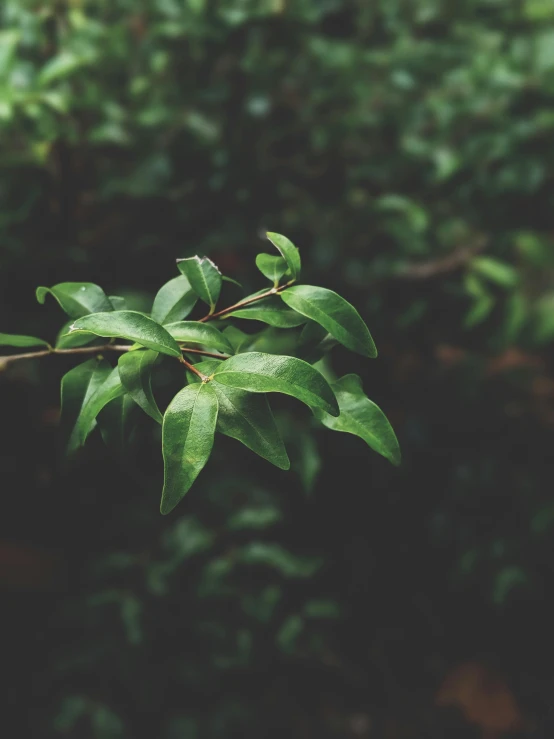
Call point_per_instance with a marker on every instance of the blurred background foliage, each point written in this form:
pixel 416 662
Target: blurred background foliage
pixel 406 146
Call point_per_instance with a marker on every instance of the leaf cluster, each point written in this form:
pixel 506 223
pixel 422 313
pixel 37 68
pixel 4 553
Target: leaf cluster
pixel 227 373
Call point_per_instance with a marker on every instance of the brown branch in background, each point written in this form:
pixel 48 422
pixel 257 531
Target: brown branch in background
pixel 436 267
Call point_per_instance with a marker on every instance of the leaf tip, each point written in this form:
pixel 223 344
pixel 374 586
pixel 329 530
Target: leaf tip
pixel 165 505
pixel 40 293
pixel 333 409
pixel 213 264
pixel 395 456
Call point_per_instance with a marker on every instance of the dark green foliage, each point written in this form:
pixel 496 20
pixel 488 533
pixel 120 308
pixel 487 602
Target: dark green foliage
pixel 407 147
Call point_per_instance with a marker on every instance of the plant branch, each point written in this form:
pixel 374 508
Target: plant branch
pixel 238 305
pixel 247 301
pixel 193 369
pixel 436 267
pixel 4 360
pixel 187 349
pixel 77 350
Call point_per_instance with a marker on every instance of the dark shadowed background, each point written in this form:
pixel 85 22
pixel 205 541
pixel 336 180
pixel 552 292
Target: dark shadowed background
pixel 407 148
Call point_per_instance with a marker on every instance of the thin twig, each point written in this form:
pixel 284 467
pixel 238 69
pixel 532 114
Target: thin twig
pixel 435 267
pixel 193 369
pixel 238 305
pixel 4 360
pixel 204 354
pixel 77 350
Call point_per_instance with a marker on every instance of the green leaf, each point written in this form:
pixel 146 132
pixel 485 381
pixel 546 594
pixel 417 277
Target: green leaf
pixel 480 309
pixel 135 371
pixel 266 373
pixel 271 267
pixel 314 342
pixel 272 341
pixel 515 317
pixel 271 311
pixel 483 301
pixel 237 338
pixel 275 556
pixel 115 422
pixel 77 298
pixel 15 340
pixel 77 387
pixel 199 334
pixel 308 460
pixel 246 417
pixel 65 340
pixel 117 302
pixel 108 389
pixel 361 417
pixel 496 271
pixel 60 66
pixel 174 301
pixel 187 440
pixel 131 325
pixel 288 251
pixel 334 313
pixel 204 277
pixel 231 280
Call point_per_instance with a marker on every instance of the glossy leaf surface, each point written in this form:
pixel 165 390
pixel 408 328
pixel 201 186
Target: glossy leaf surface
pixel 288 250
pixel 204 277
pixel 271 311
pixel 362 417
pixel 247 417
pixel 271 267
pixel 265 373
pixel 187 440
pixel 77 387
pixel 77 298
pixel 135 372
pixel 131 325
pixel 174 301
pixel 199 334
pixel 334 313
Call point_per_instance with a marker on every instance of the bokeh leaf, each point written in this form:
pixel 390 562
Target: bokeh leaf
pixel 496 271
